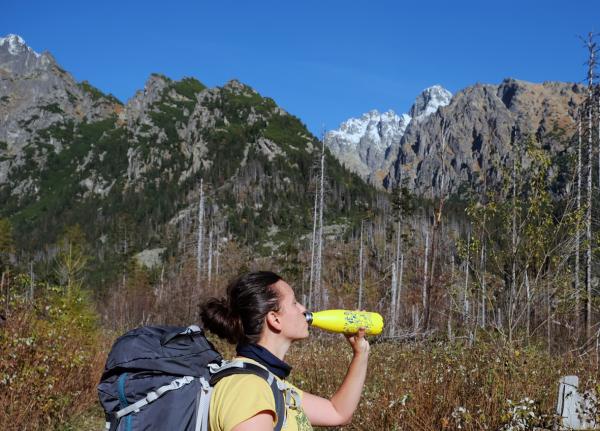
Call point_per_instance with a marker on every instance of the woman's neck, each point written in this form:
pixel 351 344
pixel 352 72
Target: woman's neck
pixel 275 346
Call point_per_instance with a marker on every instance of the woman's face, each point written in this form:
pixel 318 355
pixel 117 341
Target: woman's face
pixel 291 313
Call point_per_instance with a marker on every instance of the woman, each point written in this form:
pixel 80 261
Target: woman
pixel 260 313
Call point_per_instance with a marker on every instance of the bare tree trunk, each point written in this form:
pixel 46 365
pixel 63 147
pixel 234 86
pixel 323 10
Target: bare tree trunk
pixel 31 282
pixel 217 255
pixel 319 278
pixel 161 286
pixel 396 286
pixel 578 231
pixel 528 293
pixel 210 256
pixel 393 301
pixel 311 285
pixel 483 285
pixel 549 318
pixel 360 268
pixel 399 298
pixel 200 243
pixel 6 292
pixel 513 280
pixel 466 317
pixel 592 64
pixel 425 270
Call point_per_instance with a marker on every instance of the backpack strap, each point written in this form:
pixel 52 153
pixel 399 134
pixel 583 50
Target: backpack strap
pixel 150 396
pixel 242 367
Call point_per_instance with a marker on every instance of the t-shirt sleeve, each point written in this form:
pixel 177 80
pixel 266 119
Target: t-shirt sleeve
pixel 239 398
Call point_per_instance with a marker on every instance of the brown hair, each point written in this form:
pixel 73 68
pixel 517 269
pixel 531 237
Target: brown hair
pixel 240 315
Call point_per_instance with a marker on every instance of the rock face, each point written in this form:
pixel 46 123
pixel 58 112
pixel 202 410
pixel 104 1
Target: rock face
pixel 70 154
pixel 429 101
pixel 479 128
pixel 35 93
pixel 482 127
pixel 363 144
pixel 369 145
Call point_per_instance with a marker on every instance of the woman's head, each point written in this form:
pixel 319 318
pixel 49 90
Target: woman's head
pixel 240 316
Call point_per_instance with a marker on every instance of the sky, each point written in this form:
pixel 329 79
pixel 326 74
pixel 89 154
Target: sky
pixel 321 60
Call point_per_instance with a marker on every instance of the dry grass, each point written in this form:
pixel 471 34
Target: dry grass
pixel 437 385
pixel 54 364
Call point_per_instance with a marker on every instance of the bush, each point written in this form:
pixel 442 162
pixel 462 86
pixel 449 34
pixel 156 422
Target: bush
pixel 52 356
pixel 441 385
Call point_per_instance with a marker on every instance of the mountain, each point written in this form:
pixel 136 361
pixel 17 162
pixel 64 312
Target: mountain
pixel 484 126
pixel 369 145
pixel 429 101
pixel 129 174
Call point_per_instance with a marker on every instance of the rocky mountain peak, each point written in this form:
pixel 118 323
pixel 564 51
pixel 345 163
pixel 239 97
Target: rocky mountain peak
pixel 17 58
pixel 368 144
pixel 362 144
pixel 429 101
pixel 236 87
pixel 482 124
pixel 152 92
pixel 16 45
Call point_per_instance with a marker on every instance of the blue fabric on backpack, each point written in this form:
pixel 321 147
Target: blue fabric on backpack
pixel 123 399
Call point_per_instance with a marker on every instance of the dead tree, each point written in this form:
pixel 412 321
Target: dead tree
pixel 317 294
pixel 591 46
pixel 200 242
pixel 437 222
pixel 578 228
pixel 360 268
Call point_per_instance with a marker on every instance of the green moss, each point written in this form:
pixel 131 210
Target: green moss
pixel 161 76
pixel 72 97
pixel 25 123
pixel 96 94
pixel 91 90
pixel 188 87
pixel 53 107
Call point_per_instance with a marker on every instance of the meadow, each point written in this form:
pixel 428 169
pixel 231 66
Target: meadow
pixel 53 353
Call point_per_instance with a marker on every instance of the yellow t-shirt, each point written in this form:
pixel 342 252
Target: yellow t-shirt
pixel 239 397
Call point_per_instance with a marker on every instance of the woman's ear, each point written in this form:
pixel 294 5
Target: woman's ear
pixel 273 321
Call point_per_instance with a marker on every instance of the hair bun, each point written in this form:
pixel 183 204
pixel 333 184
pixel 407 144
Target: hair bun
pixel 218 317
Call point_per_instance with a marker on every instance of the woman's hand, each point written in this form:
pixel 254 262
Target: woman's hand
pixel 359 343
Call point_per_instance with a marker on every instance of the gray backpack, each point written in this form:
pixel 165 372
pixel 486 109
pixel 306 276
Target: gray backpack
pixel 161 378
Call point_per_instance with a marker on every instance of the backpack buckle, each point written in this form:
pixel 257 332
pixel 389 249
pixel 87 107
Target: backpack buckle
pixel 151 396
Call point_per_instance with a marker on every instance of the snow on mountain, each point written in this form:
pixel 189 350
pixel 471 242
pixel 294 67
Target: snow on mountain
pixel 368 145
pixel 17 58
pixel 16 45
pixel 429 101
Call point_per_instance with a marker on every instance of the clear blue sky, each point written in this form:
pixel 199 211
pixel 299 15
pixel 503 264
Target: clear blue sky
pixel 322 60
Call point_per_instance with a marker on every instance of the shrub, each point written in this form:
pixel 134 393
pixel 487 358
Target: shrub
pixel 52 356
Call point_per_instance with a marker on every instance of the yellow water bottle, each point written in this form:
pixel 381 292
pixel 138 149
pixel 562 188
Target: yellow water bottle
pixel 346 321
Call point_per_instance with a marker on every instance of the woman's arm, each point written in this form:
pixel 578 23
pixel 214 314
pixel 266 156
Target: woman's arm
pixel 263 421
pixel 340 408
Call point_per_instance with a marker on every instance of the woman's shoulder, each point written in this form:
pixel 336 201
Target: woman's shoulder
pixel 238 397
pixel 247 382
